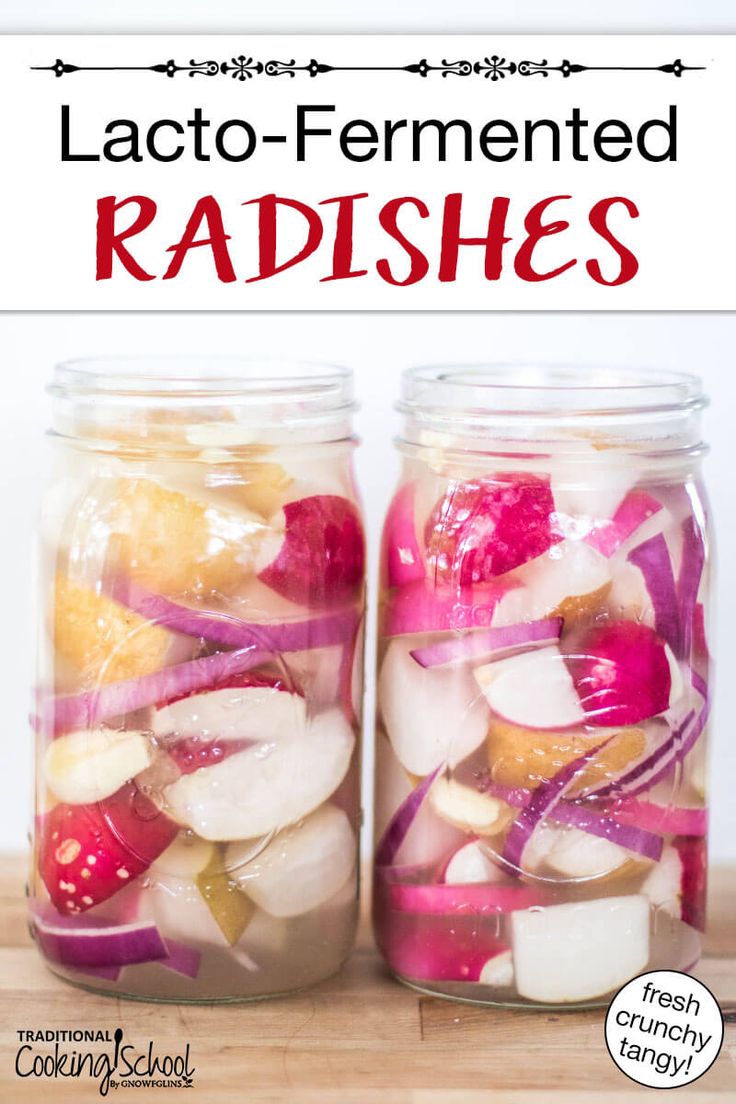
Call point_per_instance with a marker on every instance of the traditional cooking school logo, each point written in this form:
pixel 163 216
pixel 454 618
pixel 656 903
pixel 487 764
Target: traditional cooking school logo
pixel 102 1056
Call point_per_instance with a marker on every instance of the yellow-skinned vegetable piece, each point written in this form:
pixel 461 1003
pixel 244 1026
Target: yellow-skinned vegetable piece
pixel 101 640
pixel 175 545
pixel 231 909
pixel 526 757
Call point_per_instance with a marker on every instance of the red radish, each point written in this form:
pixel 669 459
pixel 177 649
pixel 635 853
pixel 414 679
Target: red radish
pixel 435 948
pixel 192 753
pixel 401 553
pixel 432 716
pixel 321 561
pixel 441 899
pixel 89 852
pixel 678 883
pixel 623 673
pixel 581 950
pixel 422 607
pixel 480 530
pixel 533 690
pixel 608 536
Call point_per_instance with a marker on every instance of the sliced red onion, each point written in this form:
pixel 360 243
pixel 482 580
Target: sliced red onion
pixel 699 684
pixel 636 508
pixel 115 699
pixel 669 819
pixel 700 638
pixel 544 799
pixel 229 631
pixel 107 973
pixel 485 643
pixel 402 872
pixel 181 958
pixel 688 582
pixel 655 563
pixel 84 946
pixel 633 837
pixel 660 762
pixel 401 552
pixel 402 820
pixel 441 899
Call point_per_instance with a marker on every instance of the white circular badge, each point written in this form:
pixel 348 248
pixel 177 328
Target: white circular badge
pixel 664 1029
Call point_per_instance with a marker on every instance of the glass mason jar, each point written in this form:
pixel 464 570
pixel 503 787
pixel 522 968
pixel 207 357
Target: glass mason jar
pixel 198 710
pixel 543 684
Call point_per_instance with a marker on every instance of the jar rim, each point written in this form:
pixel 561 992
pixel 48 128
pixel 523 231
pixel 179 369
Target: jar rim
pixel 175 399
pixel 496 390
pixel 190 377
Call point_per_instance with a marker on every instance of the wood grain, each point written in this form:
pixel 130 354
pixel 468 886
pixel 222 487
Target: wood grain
pixel 357 1038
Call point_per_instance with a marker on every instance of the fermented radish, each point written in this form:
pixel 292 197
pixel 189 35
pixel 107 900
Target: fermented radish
pixel 431 716
pixel 579 951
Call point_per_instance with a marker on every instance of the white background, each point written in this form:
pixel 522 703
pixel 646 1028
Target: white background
pixel 377 347
pixel 683 237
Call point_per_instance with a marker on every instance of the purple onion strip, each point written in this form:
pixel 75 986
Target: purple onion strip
pixel 485 642
pixel 231 632
pixel 655 563
pixel 402 820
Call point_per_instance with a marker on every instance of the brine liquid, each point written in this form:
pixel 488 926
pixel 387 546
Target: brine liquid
pixel 197 802
pixel 558 843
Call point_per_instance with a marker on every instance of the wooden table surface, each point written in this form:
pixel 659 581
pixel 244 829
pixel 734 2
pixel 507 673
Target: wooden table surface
pixel 358 1037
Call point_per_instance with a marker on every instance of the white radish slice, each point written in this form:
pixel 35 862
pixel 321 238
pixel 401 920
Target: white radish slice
pixel 236 713
pixel 628 597
pixel 432 716
pixel 579 951
pixel 663 885
pixel 577 854
pixel 301 868
pixel 268 786
pixel 498 971
pixel 468 809
pixel 178 909
pixel 87 766
pixel 429 838
pixel 534 690
pixel 569 570
pixel 186 857
pixel 470 864
pixel 588 490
